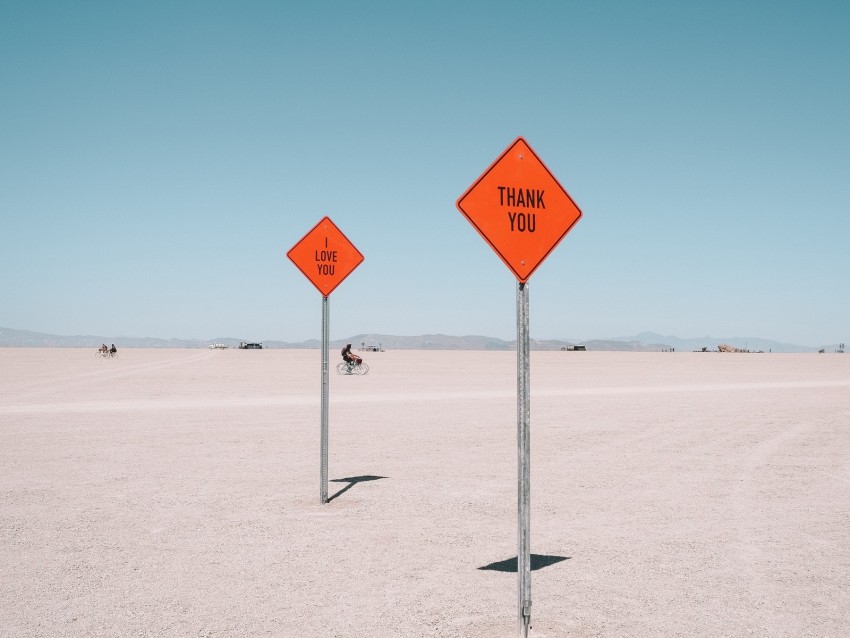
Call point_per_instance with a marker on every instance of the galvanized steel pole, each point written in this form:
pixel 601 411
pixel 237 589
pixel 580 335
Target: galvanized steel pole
pixel 523 463
pixel 323 480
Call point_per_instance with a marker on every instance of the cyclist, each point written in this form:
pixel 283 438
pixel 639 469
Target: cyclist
pixel 349 357
pixel 113 349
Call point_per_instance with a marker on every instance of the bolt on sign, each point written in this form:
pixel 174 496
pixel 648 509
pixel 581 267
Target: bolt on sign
pixel 520 209
pixel 325 256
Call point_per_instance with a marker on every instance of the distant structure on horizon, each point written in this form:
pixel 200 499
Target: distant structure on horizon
pixel 725 347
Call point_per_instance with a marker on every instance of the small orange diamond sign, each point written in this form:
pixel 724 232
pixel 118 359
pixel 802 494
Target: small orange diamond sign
pixel 325 256
pixel 520 209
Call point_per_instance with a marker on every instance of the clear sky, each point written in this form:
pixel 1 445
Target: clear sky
pixel 158 160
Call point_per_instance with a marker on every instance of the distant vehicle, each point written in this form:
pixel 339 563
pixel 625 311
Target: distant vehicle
pixel 373 348
pixel 576 348
pixel 217 346
pixel 250 346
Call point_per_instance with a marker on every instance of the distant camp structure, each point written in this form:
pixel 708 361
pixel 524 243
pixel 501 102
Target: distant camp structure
pixel 574 348
pixel 217 346
pixel 371 347
pixel 243 345
pixel 725 347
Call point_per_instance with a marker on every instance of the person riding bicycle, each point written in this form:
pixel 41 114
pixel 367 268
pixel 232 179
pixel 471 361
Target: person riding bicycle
pixel 103 348
pixel 113 349
pixel 349 357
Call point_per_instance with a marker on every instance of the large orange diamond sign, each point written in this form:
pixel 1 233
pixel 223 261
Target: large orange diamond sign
pixel 520 209
pixel 325 256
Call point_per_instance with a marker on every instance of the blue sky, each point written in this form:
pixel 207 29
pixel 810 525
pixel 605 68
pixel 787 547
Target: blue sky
pixel 158 160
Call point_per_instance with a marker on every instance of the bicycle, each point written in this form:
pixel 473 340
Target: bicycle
pixel 349 367
pixel 104 354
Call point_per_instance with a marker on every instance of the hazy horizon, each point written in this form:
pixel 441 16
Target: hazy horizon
pixel 644 337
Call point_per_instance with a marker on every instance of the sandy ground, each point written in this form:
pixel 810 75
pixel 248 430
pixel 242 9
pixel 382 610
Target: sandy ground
pixel 176 493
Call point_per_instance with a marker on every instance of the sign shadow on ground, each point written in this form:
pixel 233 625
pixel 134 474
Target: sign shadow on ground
pixel 538 561
pixel 352 481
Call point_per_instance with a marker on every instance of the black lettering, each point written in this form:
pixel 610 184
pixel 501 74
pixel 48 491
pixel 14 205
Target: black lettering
pixel 326 255
pixel 525 197
pixel 522 222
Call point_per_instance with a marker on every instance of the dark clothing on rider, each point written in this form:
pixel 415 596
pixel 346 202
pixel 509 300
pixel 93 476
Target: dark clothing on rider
pixel 348 357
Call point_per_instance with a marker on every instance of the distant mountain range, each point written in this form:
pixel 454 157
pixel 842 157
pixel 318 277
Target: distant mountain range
pixel 643 342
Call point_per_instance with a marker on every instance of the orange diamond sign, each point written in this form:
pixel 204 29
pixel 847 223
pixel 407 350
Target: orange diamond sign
pixel 520 209
pixel 325 256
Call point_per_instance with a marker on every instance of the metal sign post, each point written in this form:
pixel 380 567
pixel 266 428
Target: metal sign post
pixel 326 257
pixel 323 477
pixel 523 462
pixel 522 212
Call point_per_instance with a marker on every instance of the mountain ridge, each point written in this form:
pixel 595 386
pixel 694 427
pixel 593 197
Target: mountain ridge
pixel 641 342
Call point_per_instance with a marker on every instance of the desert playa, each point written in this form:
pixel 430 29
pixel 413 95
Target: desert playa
pixel 176 493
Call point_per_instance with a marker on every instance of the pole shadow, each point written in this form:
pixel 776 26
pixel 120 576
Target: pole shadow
pixel 352 481
pixel 538 561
